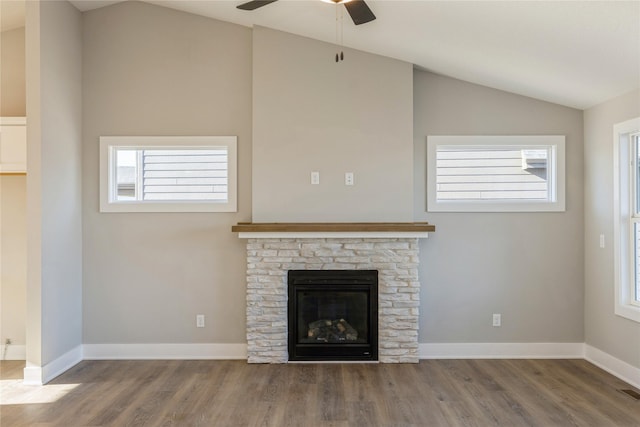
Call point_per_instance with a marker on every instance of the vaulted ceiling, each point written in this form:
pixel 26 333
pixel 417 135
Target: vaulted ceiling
pixel 574 53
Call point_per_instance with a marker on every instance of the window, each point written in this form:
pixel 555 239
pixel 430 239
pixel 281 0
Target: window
pixel 495 173
pixel 627 218
pixel 168 174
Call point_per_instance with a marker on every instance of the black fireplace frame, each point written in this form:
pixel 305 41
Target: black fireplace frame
pixel 338 281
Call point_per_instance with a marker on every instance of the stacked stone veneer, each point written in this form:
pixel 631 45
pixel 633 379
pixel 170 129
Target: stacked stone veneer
pixel 269 260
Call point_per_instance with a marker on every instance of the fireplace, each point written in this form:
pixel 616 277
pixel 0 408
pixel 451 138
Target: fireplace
pixel 333 315
pixel 275 249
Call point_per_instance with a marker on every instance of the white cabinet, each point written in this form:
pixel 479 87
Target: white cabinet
pixel 13 144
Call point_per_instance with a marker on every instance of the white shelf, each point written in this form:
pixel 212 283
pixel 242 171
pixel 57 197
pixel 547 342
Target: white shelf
pixel 13 145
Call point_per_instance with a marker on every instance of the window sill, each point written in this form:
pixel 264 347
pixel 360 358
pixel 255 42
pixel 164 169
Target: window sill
pixel 628 311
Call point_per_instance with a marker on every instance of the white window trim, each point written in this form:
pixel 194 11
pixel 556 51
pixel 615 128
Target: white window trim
pixel 556 180
pixel 137 142
pixel 622 251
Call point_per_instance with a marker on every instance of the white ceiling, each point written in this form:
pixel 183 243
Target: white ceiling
pixel 574 53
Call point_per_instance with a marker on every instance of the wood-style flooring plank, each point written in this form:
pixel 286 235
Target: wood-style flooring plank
pixel 543 410
pixel 558 386
pixel 432 393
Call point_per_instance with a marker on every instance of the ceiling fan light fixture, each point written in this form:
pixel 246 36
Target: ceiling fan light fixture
pixel 336 1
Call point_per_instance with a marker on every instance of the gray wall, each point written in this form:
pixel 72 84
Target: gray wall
pixel 313 114
pixel 526 266
pixel 604 330
pixel 54 220
pixel 149 70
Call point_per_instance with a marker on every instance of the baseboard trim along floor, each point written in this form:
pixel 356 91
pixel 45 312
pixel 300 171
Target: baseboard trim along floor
pixel 502 351
pixel 617 367
pixel 165 351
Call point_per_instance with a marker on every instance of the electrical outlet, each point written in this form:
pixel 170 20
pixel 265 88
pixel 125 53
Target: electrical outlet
pixel 348 178
pixel 497 319
pixel 200 321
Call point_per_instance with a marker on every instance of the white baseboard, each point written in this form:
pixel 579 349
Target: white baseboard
pixel 39 375
pixel 165 351
pixel 613 365
pixel 426 351
pixel 42 375
pixel 501 350
pixel 32 375
pixel 61 364
pixel 14 352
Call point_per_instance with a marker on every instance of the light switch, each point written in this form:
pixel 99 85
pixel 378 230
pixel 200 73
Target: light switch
pixel 315 178
pixel 200 320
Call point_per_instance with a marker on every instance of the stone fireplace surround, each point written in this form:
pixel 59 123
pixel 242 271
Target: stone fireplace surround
pixel 390 248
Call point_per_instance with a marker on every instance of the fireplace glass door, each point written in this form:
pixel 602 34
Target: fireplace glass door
pixel 333 315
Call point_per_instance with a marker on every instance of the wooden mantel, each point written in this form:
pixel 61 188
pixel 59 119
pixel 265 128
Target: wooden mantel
pixel 333 229
pixel 257 227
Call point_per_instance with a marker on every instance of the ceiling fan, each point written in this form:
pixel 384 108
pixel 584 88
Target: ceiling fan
pixel 358 9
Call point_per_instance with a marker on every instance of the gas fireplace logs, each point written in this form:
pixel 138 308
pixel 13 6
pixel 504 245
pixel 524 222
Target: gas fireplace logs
pixel 325 330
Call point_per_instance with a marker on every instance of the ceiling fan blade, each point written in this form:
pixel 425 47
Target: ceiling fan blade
pixel 359 11
pixel 254 4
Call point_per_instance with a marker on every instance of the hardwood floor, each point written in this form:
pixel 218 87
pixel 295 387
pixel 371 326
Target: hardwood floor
pixel 233 393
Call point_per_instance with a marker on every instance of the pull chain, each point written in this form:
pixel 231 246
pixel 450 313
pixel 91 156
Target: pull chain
pixel 339 32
